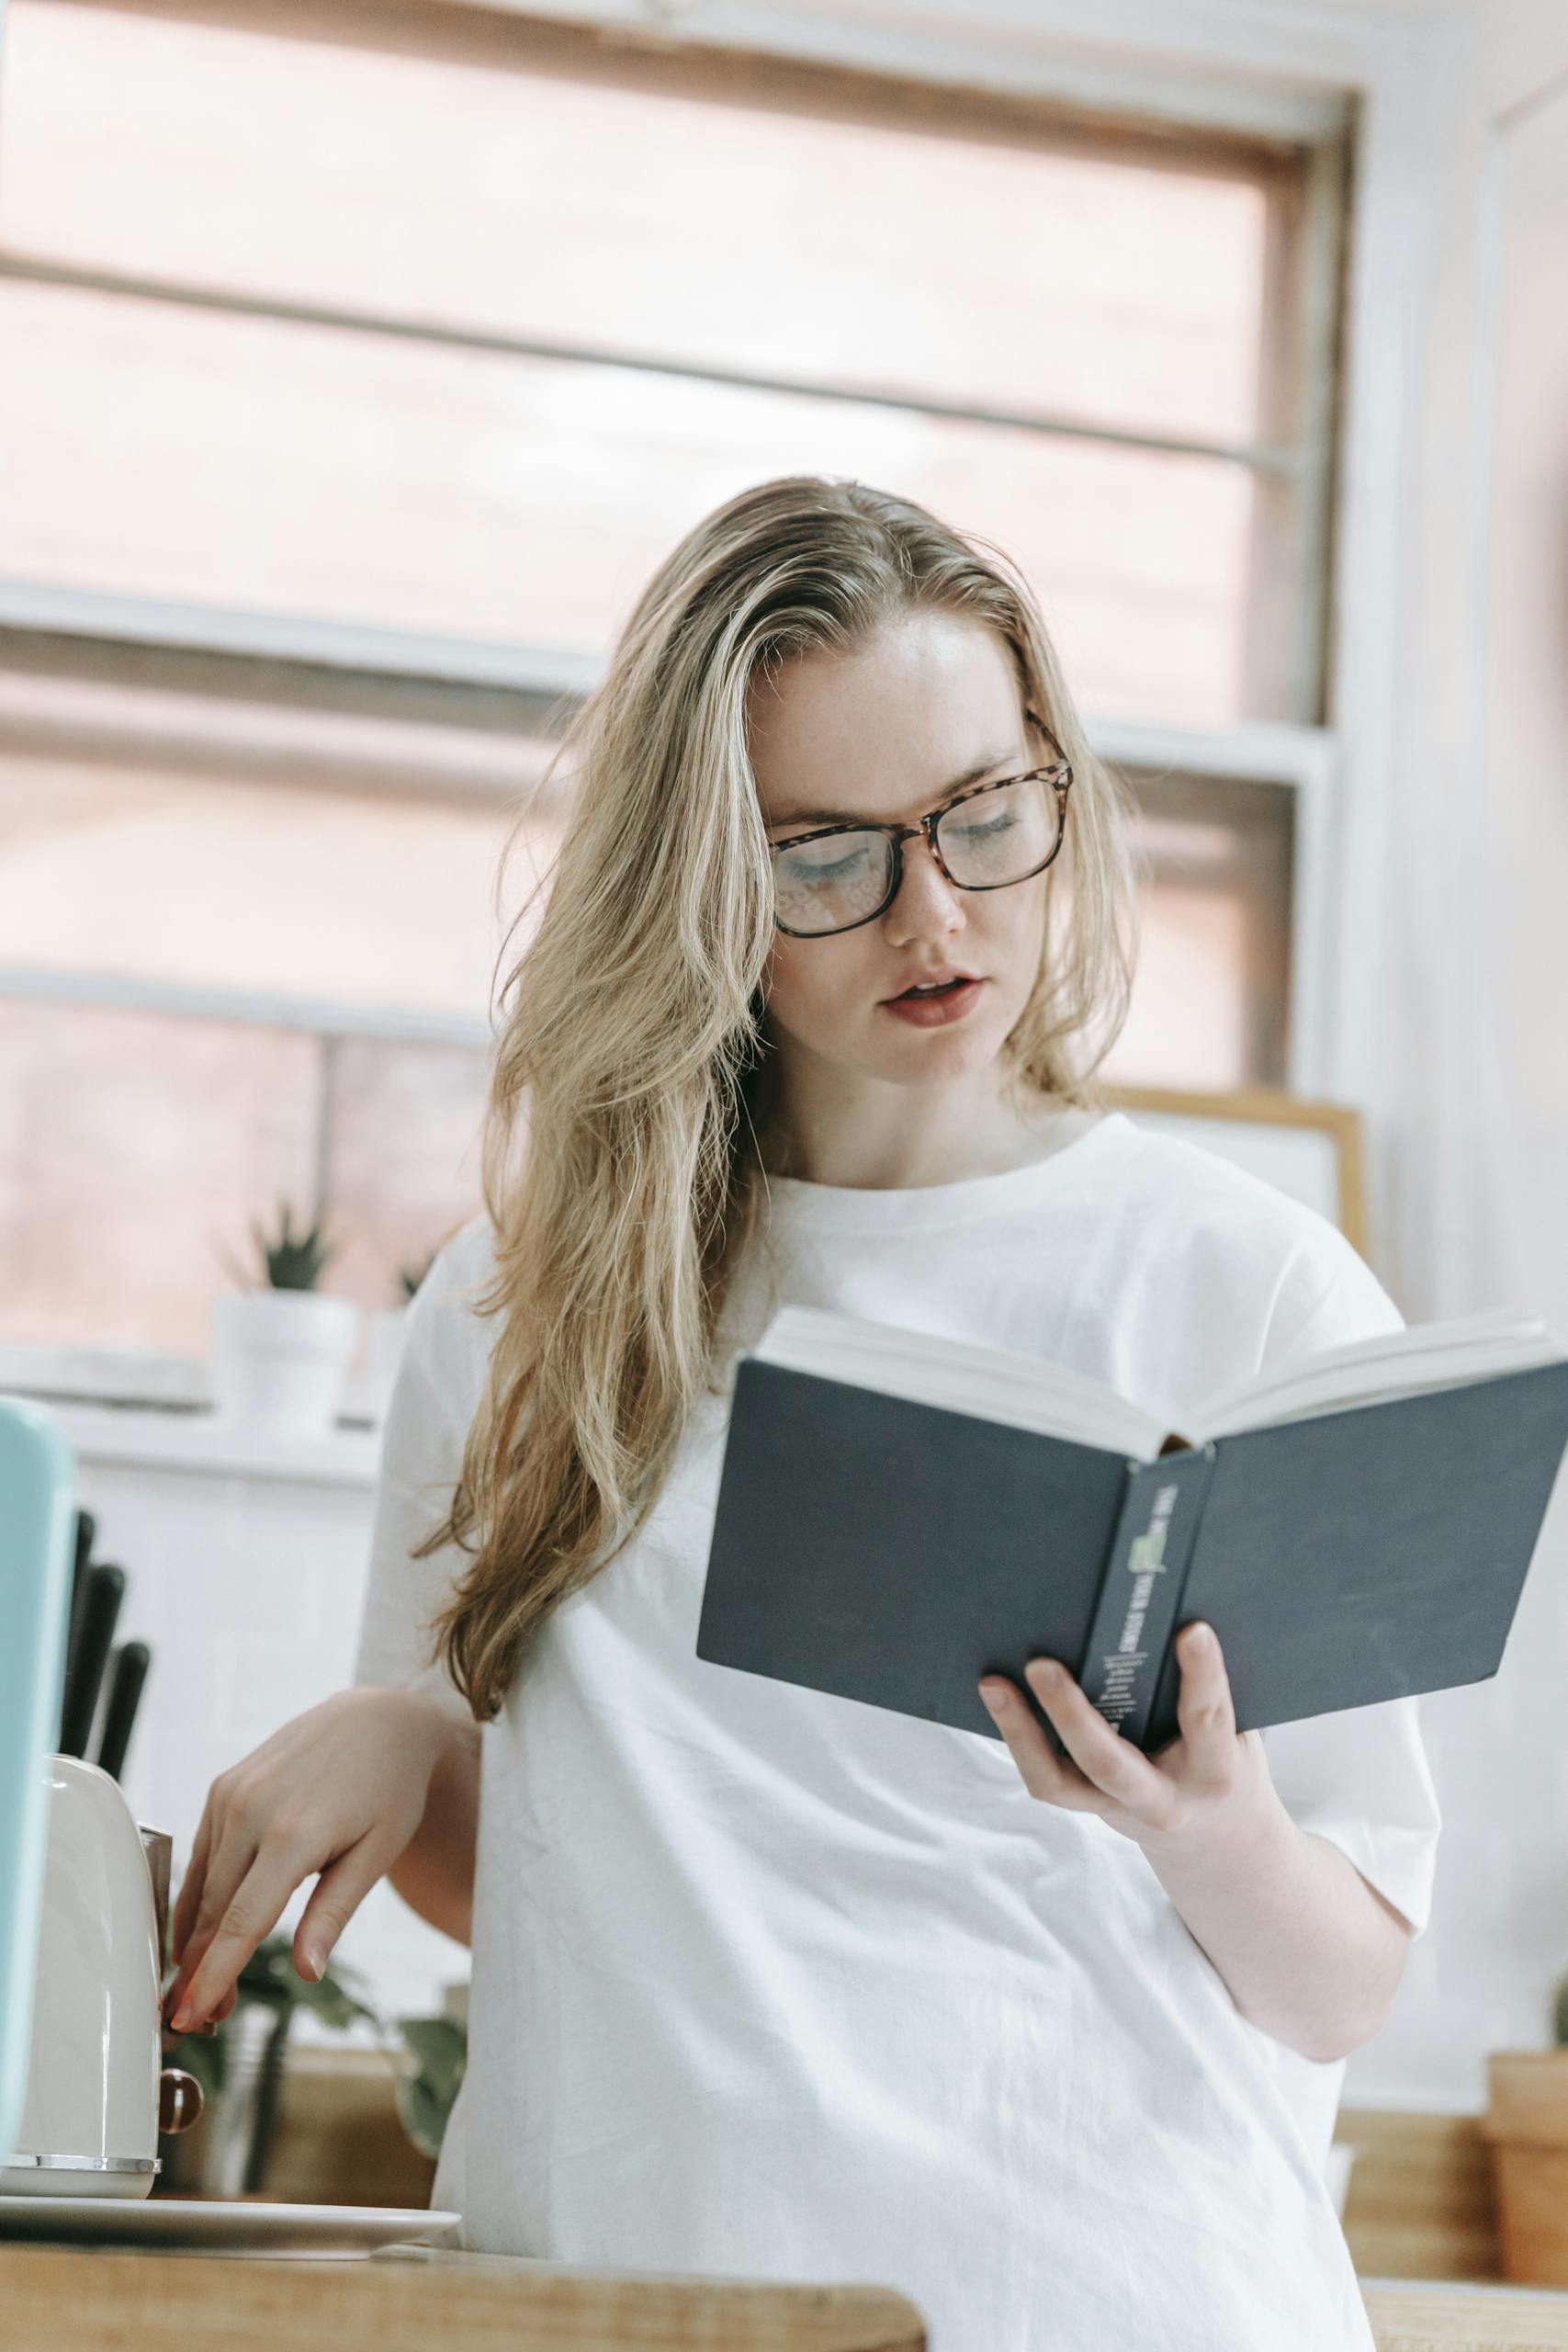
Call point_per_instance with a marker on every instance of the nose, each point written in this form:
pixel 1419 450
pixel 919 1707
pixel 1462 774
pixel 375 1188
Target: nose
pixel 926 903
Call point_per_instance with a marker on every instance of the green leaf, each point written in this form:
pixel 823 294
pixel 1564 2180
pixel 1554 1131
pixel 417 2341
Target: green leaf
pixel 427 2089
pixel 422 2114
pixel 294 1260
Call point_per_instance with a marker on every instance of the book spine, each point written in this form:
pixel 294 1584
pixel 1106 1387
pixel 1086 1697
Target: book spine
pixel 1135 1615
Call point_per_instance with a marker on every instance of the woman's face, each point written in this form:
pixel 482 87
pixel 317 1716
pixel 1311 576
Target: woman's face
pixel 887 732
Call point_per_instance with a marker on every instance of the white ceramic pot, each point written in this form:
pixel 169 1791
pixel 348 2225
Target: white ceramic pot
pixel 280 1358
pixel 388 1329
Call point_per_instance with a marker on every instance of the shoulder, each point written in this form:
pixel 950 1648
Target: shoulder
pixel 1206 1189
pixel 1233 1232
pixel 466 1260
pixel 447 1337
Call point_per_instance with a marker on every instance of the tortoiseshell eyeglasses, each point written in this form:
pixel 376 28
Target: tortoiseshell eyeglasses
pixel 984 837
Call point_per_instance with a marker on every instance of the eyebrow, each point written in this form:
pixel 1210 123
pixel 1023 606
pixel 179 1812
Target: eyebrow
pixel 853 816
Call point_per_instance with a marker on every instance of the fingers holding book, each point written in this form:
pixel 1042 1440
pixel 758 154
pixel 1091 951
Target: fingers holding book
pixel 1101 1771
pixel 1199 1788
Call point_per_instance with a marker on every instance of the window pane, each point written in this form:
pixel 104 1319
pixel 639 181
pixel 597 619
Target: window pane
pixel 1210 1002
pixel 134 1149
pixel 515 182
pixel 403 1156
pixel 240 462
pixel 210 881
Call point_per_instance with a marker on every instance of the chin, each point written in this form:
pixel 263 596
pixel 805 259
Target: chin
pixel 923 1057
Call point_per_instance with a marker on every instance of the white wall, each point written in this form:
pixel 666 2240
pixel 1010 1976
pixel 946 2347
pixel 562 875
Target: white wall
pixel 1476 1094
pixel 247 1589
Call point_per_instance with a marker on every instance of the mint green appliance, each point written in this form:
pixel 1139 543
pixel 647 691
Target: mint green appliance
pixel 37 1493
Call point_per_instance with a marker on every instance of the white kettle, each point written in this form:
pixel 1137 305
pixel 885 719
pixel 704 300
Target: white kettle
pixel 97 2092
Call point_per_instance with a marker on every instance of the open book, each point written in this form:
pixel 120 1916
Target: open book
pixel 900 1514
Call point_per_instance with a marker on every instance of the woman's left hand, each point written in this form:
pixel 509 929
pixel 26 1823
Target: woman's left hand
pixel 1209 1786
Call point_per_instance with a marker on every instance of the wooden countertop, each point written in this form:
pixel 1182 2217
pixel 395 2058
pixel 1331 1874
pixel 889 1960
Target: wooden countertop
pixel 441 2301
pixel 94 2300
pixel 1456 2316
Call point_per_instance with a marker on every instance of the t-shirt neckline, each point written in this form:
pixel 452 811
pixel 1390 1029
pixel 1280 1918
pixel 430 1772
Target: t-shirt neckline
pixel 864 1209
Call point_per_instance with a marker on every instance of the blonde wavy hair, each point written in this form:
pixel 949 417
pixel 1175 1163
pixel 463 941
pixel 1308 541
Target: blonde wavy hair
pixel 631 1058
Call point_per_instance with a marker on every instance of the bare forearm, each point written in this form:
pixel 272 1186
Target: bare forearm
pixel 435 1873
pixel 1310 1953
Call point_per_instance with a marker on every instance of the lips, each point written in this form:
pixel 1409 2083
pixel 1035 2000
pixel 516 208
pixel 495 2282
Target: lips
pixel 927 983
pixel 938 1007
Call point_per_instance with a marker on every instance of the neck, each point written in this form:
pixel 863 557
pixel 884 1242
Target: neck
pixel 889 1138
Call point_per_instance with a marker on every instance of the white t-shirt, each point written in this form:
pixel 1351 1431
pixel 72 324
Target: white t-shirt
pixel 773 1983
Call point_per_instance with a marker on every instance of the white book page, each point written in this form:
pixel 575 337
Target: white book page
pixel 1028 1393
pixel 1413 1363
pixel 995 1383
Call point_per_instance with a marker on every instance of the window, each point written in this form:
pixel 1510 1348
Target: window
pixel 333 483
pixel 1213 999
pixel 488 345
pixel 141 1143
pixel 251 948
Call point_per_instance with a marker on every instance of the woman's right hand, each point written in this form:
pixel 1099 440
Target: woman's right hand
pixel 340 1790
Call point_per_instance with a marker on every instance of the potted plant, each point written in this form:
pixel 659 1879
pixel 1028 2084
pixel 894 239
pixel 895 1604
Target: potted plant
pixel 389 1329
pixel 1526 2127
pixel 430 2076
pixel 281 1350
pixel 240 2068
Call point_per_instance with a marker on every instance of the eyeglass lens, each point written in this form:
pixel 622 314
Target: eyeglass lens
pixel 1000 836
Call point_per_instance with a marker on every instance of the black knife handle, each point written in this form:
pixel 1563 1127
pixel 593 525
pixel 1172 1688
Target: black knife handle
pixel 105 1589
pixel 86 1529
pixel 127 1674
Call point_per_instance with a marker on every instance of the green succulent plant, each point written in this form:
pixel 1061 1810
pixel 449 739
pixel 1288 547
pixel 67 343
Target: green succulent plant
pixel 292 1261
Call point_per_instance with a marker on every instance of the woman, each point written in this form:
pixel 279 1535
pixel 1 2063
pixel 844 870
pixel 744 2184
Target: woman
pixel 767 1982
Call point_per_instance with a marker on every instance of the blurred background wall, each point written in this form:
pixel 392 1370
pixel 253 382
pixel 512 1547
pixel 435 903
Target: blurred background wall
pixel 357 362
